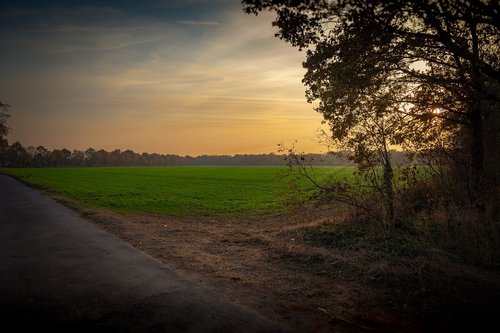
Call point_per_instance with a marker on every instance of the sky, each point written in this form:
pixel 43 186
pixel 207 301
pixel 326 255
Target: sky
pixel 187 77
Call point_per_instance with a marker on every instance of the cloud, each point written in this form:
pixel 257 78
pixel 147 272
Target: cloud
pixel 212 23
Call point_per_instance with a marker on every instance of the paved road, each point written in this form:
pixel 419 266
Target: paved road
pixel 60 272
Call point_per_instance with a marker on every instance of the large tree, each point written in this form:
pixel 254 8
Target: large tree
pixel 4 130
pixel 4 116
pixel 17 156
pixel 438 60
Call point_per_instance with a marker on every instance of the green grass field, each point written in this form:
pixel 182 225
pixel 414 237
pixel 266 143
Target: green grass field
pixel 180 191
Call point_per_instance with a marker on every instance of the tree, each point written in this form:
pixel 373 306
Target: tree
pixel 57 158
pixel 41 156
pixel 77 158
pixel 90 157
pixel 103 158
pixel 4 130
pixel 368 145
pixel 4 145
pixel 115 156
pixel 128 157
pixel 442 56
pixel 17 156
pixel 4 116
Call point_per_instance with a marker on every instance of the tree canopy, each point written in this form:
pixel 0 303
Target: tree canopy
pixel 433 64
pixel 4 130
pixel 4 116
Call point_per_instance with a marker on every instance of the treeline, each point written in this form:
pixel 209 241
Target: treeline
pixel 16 155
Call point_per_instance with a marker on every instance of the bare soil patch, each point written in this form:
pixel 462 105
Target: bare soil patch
pixel 265 264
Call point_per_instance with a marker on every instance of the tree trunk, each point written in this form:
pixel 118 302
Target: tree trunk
pixel 476 120
pixel 387 185
pixel 477 149
pixel 388 190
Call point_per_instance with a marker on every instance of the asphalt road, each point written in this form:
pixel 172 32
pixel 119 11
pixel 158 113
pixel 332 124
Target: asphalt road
pixel 60 272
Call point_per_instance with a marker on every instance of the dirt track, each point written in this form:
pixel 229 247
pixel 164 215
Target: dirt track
pixel 262 263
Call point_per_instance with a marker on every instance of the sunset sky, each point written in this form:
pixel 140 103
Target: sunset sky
pixel 183 77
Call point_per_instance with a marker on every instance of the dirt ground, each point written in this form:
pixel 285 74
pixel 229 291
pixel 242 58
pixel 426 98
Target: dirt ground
pixel 262 263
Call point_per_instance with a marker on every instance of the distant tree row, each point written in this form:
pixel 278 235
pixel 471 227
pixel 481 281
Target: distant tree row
pixel 16 155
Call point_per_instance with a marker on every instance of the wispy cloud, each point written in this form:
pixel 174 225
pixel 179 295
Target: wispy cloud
pixel 148 82
pixel 212 23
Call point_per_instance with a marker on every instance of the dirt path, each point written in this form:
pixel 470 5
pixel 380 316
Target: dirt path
pixel 62 273
pixel 254 263
pixel 262 263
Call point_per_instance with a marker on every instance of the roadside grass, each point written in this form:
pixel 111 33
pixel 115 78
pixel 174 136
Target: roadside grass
pixel 399 260
pixel 178 191
pixel 354 237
